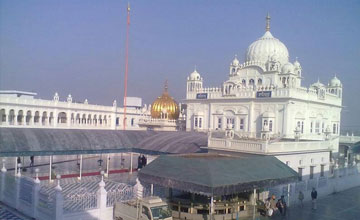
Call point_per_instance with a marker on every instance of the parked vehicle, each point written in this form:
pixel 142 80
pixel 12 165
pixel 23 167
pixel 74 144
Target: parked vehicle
pixel 150 208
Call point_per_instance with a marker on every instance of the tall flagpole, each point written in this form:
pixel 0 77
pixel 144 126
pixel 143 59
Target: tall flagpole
pixel 126 63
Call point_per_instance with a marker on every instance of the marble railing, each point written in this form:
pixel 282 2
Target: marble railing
pixel 266 147
pixel 250 92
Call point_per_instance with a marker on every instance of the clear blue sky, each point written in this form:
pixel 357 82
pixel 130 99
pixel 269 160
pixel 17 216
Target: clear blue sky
pixel 78 46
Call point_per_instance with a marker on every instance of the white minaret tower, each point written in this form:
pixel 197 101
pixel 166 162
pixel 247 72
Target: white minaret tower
pixel 194 83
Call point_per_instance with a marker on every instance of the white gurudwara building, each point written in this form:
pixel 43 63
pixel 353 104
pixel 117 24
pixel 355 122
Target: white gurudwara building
pixel 23 109
pixel 263 108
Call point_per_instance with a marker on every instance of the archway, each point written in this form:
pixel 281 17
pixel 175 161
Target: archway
pixel 2 116
pixel 62 118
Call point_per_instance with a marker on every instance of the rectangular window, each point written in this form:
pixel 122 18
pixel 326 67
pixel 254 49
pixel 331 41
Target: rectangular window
pixel 311 127
pixel 317 127
pixel 242 125
pixel 231 122
pixel 117 121
pixel 300 172
pixel 196 122
pixel 219 123
pixel 200 122
pixel 270 125
pixel 323 127
pixel 334 128
pixel 302 127
pixel 322 170
pixel 311 172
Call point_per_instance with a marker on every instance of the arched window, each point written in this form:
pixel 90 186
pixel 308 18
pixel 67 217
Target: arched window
pixel 243 82
pixel 251 82
pixel 259 81
pixel 3 116
pixel 233 70
pixel 62 118
pixel 132 122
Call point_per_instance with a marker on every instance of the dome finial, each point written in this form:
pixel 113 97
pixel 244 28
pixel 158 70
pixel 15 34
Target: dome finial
pixel 268 22
pixel 166 87
pixel 195 68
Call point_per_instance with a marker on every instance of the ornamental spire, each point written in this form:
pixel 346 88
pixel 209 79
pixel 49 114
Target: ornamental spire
pixel 268 22
pixel 166 87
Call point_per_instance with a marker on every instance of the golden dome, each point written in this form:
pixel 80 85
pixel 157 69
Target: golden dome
pixel 165 106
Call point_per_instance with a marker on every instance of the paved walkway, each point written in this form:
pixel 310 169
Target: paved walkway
pixel 7 213
pixel 340 206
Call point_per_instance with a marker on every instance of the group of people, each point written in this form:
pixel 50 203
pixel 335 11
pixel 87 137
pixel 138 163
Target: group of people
pixel 32 159
pixel 142 161
pixel 271 205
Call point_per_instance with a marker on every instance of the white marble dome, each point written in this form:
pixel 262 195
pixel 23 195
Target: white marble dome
pixel 318 84
pixel 267 47
pixel 335 82
pixel 287 68
pixel 195 75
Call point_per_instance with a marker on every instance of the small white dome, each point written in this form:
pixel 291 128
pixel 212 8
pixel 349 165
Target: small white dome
pixel 287 68
pixel 335 82
pixel 318 84
pixel 297 65
pixel 235 62
pixel 195 75
pixel 266 47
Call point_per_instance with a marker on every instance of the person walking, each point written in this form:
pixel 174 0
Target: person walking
pixel 18 160
pixel 313 198
pixel 31 161
pixel 301 198
pixel 282 205
pixel 143 161
pixel 140 165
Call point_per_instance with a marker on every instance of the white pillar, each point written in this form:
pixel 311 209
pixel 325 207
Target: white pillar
pixel 107 165
pixel 139 189
pixel 59 200
pixel 3 169
pixel 211 208
pixel 81 163
pixel 16 166
pixel 101 196
pixel 131 162
pixel 50 165
pixel 254 202
pixel 288 194
pixel 152 189
pixel 36 189
pixel 17 192
pixel 2 184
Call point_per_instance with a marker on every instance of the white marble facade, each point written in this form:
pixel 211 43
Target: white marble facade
pixel 23 109
pixel 265 92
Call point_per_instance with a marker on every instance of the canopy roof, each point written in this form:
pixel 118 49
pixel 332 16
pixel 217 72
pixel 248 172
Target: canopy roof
pixel 355 149
pixel 38 141
pixel 216 174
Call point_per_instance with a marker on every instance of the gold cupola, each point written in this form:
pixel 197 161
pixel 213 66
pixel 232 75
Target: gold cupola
pixel 165 107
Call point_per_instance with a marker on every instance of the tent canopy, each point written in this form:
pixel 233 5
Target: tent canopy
pixel 217 174
pixel 39 141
